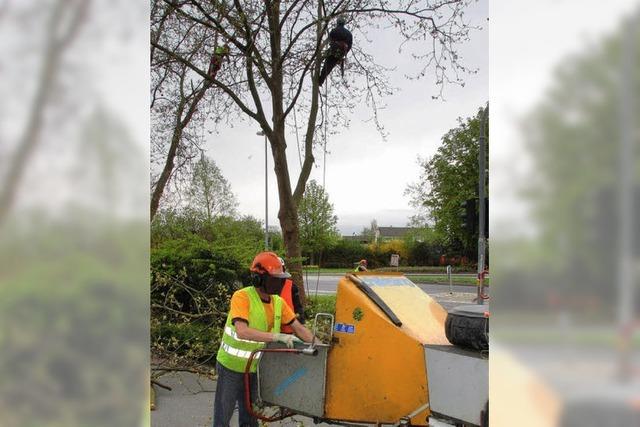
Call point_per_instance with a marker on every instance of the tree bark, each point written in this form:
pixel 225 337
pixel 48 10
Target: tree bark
pixel 288 212
pixel 169 163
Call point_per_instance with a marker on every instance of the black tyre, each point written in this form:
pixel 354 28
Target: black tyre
pixel 467 326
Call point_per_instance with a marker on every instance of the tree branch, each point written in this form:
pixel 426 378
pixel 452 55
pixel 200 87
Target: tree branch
pixel 217 83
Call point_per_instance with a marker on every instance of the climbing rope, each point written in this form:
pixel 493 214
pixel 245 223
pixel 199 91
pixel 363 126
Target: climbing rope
pixel 295 123
pixel 326 119
pixel 318 275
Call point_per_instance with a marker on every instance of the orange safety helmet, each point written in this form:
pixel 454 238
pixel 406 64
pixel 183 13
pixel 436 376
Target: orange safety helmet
pixel 269 263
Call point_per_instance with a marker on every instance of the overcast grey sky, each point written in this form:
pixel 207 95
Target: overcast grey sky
pixel 365 176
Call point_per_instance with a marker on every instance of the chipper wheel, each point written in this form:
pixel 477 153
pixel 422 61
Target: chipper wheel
pixel 467 326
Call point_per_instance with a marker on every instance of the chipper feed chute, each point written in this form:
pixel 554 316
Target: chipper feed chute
pixel 375 369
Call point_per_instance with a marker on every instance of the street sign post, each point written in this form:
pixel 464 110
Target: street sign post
pixel 395 261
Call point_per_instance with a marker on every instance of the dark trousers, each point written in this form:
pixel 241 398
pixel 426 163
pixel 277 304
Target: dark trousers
pixel 229 390
pixel 334 56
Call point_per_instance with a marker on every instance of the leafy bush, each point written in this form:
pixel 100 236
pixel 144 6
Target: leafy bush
pixel 345 253
pixel 199 261
pixel 189 276
pixel 195 268
pixel 424 254
pixel 381 253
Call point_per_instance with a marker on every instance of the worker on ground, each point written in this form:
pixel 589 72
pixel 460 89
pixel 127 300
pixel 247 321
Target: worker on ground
pixel 291 296
pixel 340 41
pixel 255 317
pixel 219 55
pixel 362 266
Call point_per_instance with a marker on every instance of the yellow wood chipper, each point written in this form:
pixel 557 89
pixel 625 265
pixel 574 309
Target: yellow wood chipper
pixel 387 361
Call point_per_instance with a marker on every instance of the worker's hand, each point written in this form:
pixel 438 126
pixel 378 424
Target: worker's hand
pixel 287 339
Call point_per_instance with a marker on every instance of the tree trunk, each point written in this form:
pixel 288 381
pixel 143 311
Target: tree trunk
pixel 288 212
pixel 294 255
pixel 181 124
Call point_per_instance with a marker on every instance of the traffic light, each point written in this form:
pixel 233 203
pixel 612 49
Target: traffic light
pixel 469 216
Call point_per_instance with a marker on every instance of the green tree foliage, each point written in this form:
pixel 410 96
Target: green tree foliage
pixel 317 221
pixel 210 193
pixel 424 247
pixel 448 179
pixel 276 243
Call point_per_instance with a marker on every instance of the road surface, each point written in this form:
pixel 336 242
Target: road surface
pixel 462 294
pixel 327 284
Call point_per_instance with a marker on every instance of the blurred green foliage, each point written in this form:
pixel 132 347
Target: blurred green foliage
pixel 573 140
pixel 73 321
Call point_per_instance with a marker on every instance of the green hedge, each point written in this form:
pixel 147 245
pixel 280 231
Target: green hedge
pixel 346 253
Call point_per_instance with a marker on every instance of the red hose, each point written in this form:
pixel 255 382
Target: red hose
pixel 481 277
pixel 247 385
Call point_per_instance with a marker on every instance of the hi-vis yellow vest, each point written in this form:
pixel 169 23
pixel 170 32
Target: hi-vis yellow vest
pixel 234 352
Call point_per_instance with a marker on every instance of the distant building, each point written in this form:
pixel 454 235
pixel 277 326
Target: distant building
pixel 383 234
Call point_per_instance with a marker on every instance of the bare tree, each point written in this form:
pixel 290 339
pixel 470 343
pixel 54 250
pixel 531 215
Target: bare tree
pixel 276 56
pixel 181 100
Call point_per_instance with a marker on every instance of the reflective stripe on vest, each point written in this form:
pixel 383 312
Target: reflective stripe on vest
pixel 234 352
pixel 232 334
pixel 287 296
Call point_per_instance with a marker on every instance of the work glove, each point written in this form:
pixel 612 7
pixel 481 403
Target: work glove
pixel 287 339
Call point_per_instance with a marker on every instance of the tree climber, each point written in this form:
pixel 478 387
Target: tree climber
pixel 218 57
pixel 340 41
